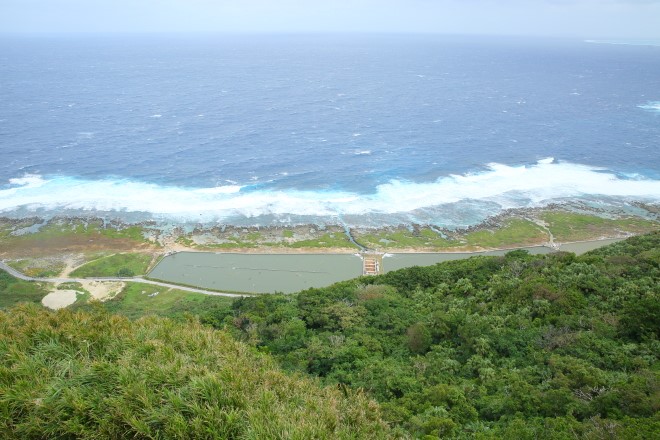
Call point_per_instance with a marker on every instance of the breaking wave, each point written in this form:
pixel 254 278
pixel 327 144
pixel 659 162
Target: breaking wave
pixel 499 186
pixel 652 106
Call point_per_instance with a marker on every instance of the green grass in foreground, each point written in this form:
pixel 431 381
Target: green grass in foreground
pixel 115 265
pixel 139 299
pixel 95 375
pixel 14 291
pixel 568 226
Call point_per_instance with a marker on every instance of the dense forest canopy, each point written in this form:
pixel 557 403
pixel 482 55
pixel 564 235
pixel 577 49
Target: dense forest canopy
pixel 520 346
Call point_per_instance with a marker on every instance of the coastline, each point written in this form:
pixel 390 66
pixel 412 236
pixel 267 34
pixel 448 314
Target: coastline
pixel 551 227
pixel 61 247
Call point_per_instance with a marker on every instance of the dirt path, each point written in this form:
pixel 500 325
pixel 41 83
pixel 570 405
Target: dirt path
pixel 543 225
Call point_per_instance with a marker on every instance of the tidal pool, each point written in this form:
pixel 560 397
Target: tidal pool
pixel 257 273
pixel 399 261
pixel 288 273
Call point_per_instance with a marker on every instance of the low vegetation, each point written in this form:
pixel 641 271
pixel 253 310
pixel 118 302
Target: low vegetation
pixel 513 232
pixel 402 238
pixel 118 265
pixel 328 240
pixel 253 240
pixel 95 375
pixel 14 291
pixel 137 299
pixel 30 238
pixel 570 226
pixel 38 267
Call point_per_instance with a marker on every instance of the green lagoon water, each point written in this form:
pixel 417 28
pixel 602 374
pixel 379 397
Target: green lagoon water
pixel 400 261
pixel 288 273
pixel 257 273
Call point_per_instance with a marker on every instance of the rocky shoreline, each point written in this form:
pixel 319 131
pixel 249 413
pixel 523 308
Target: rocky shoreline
pixel 511 228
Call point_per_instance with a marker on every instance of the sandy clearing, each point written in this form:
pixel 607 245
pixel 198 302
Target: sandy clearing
pixel 71 262
pixel 58 299
pixel 103 290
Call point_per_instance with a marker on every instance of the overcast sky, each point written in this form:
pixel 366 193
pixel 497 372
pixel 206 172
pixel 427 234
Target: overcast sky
pixel 574 18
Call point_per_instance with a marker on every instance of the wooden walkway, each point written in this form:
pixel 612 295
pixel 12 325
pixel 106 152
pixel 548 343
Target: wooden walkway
pixel 372 264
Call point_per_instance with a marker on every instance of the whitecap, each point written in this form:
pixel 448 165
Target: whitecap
pixel 28 181
pixel 226 189
pixel 653 42
pixel 500 185
pixel 652 106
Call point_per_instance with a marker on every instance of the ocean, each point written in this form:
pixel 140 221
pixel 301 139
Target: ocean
pixel 366 130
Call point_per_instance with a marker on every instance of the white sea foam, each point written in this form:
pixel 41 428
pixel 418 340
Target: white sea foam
pixel 653 106
pixel 626 42
pixel 499 185
pixel 28 181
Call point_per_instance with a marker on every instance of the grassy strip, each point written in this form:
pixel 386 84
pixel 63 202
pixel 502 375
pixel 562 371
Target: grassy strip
pixel 14 291
pixel 329 240
pixel 138 299
pixel 254 240
pixel 404 238
pixel 66 227
pixel 126 265
pixel 515 232
pixel 210 289
pixel 38 268
pixel 568 226
pixel 64 235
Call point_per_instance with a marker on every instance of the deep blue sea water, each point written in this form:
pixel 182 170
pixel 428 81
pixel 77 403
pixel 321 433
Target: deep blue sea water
pixel 358 129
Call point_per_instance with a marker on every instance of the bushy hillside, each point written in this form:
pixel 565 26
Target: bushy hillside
pixel 515 347
pixel 96 375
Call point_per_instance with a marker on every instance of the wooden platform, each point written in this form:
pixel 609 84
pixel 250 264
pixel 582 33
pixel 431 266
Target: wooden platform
pixel 372 264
